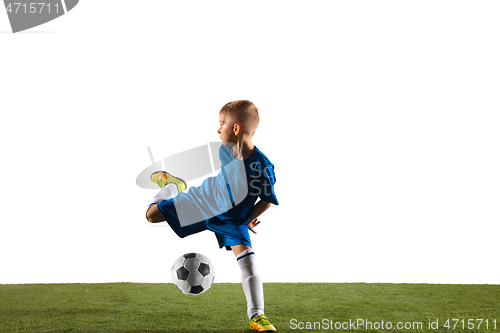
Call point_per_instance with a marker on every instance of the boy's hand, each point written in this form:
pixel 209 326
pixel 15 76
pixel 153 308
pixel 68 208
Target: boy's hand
pixel 252 224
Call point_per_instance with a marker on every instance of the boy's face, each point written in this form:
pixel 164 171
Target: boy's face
pixel 226 129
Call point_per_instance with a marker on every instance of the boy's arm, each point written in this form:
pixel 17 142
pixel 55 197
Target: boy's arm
pixel 259 208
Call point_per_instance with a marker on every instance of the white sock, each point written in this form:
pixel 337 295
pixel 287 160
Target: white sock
pixel 168 192
pixel 252 283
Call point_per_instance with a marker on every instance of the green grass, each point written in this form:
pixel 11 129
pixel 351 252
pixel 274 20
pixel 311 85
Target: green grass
pixel 137 307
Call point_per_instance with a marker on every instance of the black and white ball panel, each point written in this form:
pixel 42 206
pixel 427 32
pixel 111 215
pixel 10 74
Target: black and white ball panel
pixel 193 273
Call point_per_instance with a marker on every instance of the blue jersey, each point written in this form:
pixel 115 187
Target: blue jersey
pixel 223 204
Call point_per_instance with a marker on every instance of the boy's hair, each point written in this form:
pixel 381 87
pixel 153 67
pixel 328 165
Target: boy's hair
pixel 243 112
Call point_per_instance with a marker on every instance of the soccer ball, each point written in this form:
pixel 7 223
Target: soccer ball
pixel 193 273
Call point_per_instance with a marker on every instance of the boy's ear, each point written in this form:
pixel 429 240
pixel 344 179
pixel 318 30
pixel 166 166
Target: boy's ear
pixel 237 128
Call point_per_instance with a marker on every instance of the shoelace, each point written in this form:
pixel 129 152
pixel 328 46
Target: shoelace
pixel 161 182
pixel 263 322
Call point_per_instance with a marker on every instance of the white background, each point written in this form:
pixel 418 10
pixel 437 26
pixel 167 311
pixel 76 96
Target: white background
pixel 381 117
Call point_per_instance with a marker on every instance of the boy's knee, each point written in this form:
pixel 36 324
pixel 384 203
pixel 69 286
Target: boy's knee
pixel 149 217
pixel 153 215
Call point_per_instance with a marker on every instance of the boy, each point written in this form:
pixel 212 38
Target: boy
pixel 226 204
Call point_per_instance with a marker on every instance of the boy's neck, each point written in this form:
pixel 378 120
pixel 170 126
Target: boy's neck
pixel 245 146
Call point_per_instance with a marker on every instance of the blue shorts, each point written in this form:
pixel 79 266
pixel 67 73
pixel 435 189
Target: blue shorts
pixel 227 234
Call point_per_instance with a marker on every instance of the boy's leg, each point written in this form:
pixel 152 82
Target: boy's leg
pixel 237 249
pixel 168 192
pixel 252 286
pixel 153 214
pixel 250 280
